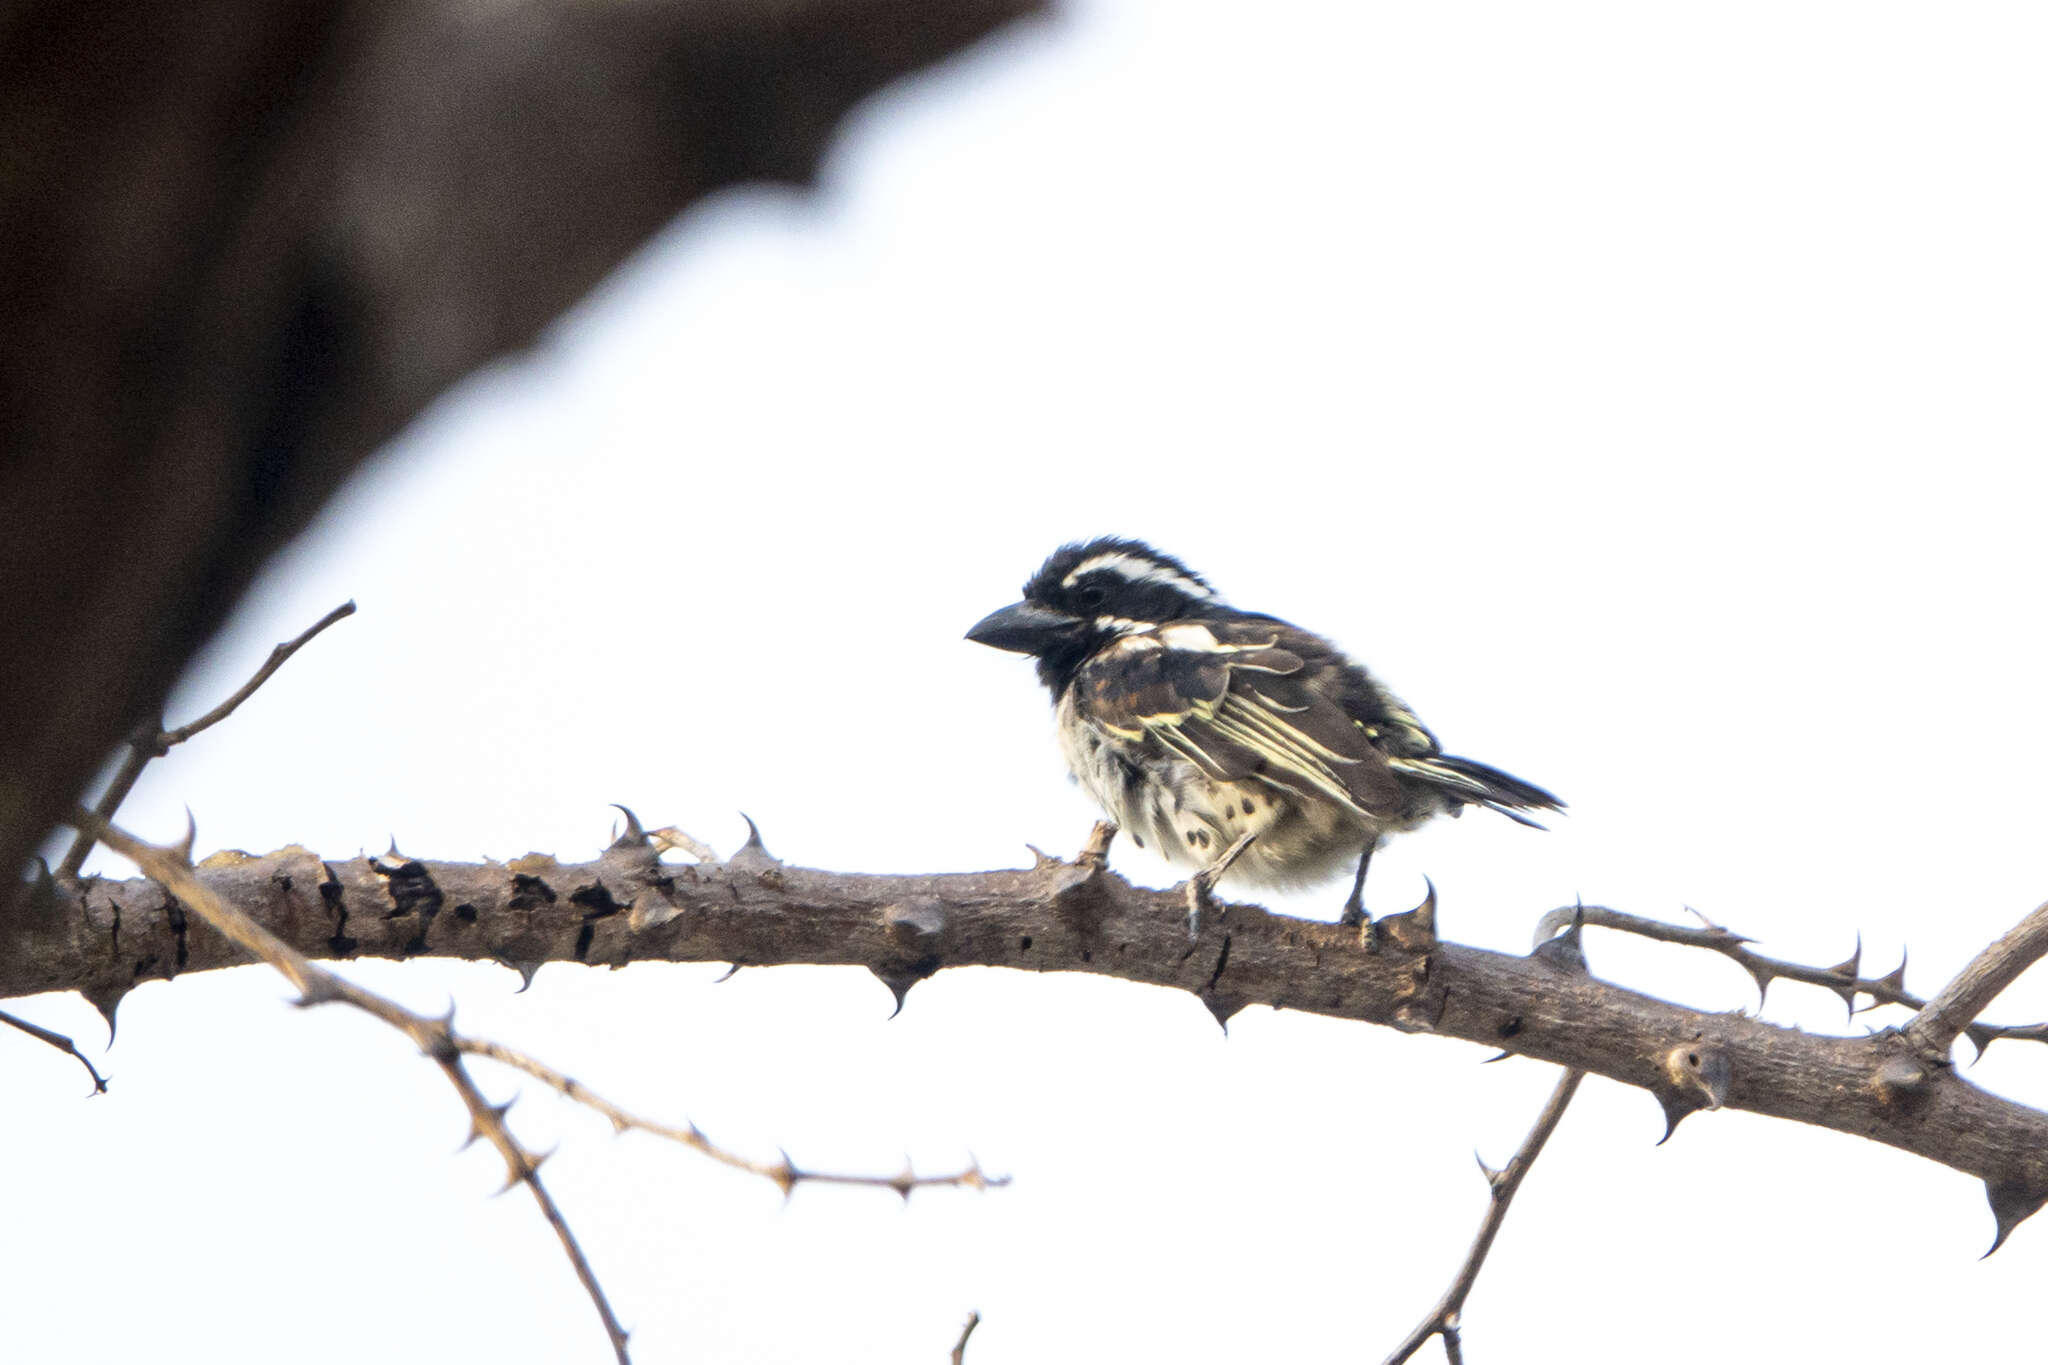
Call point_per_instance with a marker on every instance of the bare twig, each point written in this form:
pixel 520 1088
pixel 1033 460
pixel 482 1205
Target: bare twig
pixel 153 741
pixel 1844 978
pixel 960 1346
pixel 1933 1030
pixel 61 1043
pixel 436 1037
pixel 783 1172
pixel 1443 1320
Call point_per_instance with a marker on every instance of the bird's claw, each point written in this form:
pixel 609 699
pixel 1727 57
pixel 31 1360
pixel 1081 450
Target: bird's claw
pixel 1199 897
pixel 1199 901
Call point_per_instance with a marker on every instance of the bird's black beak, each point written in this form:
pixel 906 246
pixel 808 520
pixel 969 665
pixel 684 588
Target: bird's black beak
pixel 1023 629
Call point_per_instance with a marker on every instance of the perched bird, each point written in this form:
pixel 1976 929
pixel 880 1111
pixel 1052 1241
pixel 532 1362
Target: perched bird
pixel 1195 724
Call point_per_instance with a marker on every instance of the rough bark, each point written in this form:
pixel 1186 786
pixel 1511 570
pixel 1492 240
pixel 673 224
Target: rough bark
pixel 629 907
pixel 245 242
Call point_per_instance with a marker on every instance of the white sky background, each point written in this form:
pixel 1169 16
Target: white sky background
pixel 1652 394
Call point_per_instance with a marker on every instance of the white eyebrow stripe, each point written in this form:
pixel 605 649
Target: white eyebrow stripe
pixel 1137 571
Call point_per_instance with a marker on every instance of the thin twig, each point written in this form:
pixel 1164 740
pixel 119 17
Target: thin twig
pixel 435 1037
pixel 142 747
pixel 1844 978
pixel 1933 1030
pixel 61 1043
pixel 248 689
pixel 153 741
pixel 1443 1320
pixel 960 1346
pixel 783 1172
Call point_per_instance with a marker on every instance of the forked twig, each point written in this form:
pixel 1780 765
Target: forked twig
pixel 438 1039
pixel 61 1043
pixel 1443 1320
pixel 172 869
pixel 1955 1009
pixel 153 741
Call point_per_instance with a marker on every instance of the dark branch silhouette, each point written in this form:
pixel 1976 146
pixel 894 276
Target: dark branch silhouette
pixel 247 242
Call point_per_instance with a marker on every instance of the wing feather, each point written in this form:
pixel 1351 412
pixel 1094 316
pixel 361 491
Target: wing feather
pixel 1232 702
pixel 1233 698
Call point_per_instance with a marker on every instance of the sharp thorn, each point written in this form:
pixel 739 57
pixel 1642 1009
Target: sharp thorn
pixel 2012 1203
pixel 107 1002
pixel 786 1175
pixel 1981 1037
pixel 1566 950
pixel 1676 1110
pixel 635 835
pixel 1223 1008
pixel 1763 976
pixel 1414 931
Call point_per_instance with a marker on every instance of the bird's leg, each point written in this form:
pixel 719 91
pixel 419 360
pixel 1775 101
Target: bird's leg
pixel 1095 853
pixel 1354 909
pixel 1199 884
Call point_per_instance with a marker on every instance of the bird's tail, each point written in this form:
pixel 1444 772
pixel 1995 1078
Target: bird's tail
pixel 1479 784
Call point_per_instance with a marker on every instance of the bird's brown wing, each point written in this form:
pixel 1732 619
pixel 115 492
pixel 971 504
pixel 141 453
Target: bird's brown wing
pixel 1234 700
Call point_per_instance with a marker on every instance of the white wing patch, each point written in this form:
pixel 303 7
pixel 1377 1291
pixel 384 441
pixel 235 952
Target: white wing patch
pixel 1197 638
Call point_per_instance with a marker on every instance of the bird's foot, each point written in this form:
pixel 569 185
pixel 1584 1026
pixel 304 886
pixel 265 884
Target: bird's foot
pixel 1095 853
pixel 1200 901
pixel 1354 916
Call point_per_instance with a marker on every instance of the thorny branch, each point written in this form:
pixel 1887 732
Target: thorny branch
pixel 153 741
pixel 1844 978
pixel 173 870
pixel 1444 1319
pixel 628 906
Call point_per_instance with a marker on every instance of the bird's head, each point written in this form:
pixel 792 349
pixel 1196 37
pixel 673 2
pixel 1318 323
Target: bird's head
pixel 1089 593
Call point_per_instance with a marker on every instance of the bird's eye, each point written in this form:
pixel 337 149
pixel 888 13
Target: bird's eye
pixel 1091 597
